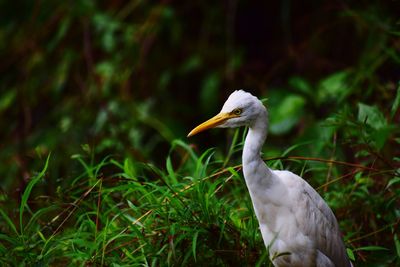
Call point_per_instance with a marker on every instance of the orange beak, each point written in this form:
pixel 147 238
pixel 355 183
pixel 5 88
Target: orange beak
pixel 211 123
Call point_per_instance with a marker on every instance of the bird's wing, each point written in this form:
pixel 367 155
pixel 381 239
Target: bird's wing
pixel 315 219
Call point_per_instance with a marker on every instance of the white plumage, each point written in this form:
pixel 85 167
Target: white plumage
pixel 296 224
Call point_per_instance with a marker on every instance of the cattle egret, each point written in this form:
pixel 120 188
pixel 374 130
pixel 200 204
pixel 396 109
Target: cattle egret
pixel 297 226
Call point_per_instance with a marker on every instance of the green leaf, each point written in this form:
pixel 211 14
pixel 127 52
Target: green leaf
pixel 41 236
pixel 380 136
pixel 233 172
pixel 334 87
pixel 371 248
pixel 350 254
pixel 372 116
pixel 393 181
pixel 302 85
pixel 396 102
pixel 263 259
pixel 9 221
pixel 7 99
pixel 13 241
pixel 286 114
pixel 171 171
pixel 194 244
pixel 27 192
pixel 105 69
pixel 129 169
pixel 397 244
pixel 186 147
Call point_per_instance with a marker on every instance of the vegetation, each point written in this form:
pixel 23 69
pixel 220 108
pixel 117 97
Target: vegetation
pixel 96 100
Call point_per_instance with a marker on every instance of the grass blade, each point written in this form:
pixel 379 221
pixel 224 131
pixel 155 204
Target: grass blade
pixel 397 244
pixel 28 190
pixel 8 220
pixel 396 102
pixel 370 248
pixel 171 171
pixel 194 244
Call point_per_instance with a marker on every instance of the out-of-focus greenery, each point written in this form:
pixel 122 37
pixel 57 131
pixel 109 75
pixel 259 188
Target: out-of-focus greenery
pixel 96 98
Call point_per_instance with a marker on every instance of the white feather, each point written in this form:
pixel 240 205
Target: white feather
pixel 294 220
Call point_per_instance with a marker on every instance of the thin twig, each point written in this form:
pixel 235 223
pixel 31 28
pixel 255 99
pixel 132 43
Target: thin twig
pixel 75 206
pixel 98 207
pixel 329 173
pixel 324 160
pixel 374 232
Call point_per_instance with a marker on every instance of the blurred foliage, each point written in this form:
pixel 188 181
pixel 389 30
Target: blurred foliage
pixel 99 80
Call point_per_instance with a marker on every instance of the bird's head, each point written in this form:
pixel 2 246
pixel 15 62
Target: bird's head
pixel 240 109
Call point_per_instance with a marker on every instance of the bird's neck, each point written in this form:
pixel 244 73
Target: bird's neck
pixel 257 175
pixel 255 139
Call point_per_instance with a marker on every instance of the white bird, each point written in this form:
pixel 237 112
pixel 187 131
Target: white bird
pixel 297 226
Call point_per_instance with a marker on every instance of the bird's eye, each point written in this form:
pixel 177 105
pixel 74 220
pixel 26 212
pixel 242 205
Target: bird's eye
pixel 237 111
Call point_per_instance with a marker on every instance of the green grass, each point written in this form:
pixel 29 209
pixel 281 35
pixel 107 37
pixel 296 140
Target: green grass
pixel 194 212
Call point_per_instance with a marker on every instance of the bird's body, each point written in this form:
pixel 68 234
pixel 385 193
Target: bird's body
pixel 296 224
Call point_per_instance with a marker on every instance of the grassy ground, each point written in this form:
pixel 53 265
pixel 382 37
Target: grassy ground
pixel 193 212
